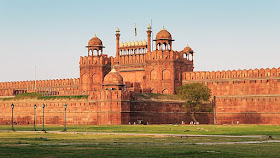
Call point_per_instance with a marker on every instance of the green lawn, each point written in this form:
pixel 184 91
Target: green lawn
pixel 45 145
pixel 84 151
pixel 18 144
pixel 166 129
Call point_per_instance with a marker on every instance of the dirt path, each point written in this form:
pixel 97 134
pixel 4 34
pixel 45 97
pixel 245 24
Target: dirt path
pixel 216 143
pixel 145 134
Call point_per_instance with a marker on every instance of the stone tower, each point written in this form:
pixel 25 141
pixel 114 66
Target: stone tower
pixel 164 66
pixel 112 101
pixel 93 67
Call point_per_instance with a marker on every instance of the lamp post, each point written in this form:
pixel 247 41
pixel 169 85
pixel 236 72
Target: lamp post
pixel 35 106
pixel 43 117
pixel 65 107
pixel 12 106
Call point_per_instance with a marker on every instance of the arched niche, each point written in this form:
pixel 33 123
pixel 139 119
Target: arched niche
pixel 166 74
pixel 153 75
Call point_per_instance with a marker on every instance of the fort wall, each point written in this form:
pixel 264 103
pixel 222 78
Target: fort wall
pixel 51 87
pixel 167 112
pixel 100 112
pixel 242 96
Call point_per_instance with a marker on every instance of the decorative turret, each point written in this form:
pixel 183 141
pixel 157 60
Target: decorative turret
pixel 163 40
pixel 187 50
pixel 95 44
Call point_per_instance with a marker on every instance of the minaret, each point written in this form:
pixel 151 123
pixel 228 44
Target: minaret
pixel 117 41
pixel 149 32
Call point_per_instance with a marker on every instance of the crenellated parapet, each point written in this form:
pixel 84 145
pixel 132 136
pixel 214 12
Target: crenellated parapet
pixel 234 74
pixel 95 60
pixel 169 55
pixel 55 87
pixel 238 83
pixel 107 95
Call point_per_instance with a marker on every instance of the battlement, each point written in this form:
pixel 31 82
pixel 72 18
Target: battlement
pixel 17 87
pixel 234 74
pixel 168 55
pixel 95 60
pixel 40 83
pixel 105 95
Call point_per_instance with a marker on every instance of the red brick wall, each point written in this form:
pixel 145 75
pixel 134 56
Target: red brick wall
pixel 155 112
pixel 78 112
pixel 54 87
pixel 248 110
pixel 246 96
pixel 98 112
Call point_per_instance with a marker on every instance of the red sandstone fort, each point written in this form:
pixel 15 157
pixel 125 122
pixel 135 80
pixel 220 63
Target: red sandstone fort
pixel 242 96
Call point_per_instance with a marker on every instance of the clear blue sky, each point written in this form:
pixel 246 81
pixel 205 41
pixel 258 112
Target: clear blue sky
pixel 52 34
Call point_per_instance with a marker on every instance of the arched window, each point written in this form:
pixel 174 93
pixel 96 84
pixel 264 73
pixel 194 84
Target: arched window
pixel 153 90
pixel 165 74
pixel 95 78
pixel 153 75
pixel 166 91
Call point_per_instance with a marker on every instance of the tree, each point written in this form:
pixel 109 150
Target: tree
pixel 196 95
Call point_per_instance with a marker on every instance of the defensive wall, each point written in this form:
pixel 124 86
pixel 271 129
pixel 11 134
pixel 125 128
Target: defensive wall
pixel 84 111
pixel 51 87
pixel 242 96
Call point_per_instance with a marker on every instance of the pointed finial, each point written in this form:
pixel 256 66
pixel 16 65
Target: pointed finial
pixel 95 36
pixel 113 70
pixel 163 28
pixel 149 27
pixel 118 30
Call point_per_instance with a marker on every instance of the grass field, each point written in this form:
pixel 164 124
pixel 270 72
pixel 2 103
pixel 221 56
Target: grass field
pixel 166 129
pixel 17 144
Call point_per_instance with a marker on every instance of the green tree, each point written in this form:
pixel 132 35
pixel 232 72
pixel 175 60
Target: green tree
pixel 196 95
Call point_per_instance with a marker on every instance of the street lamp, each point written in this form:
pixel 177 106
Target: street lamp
pixel 35 106
pixel 43 117
pixel 65 107
pixel 12 106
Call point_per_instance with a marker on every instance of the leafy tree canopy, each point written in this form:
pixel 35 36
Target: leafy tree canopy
pixel 195 95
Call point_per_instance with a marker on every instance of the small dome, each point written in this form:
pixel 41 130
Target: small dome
pixel 125 44
pixel 118 30
pixel 140 43
pixel 144 42
pixel 128 44
pixel 163 34
pixel 121 45
pixel 113 78
pixel 132 43
pixel 95 41
pixel 188 49
pixel 136 43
